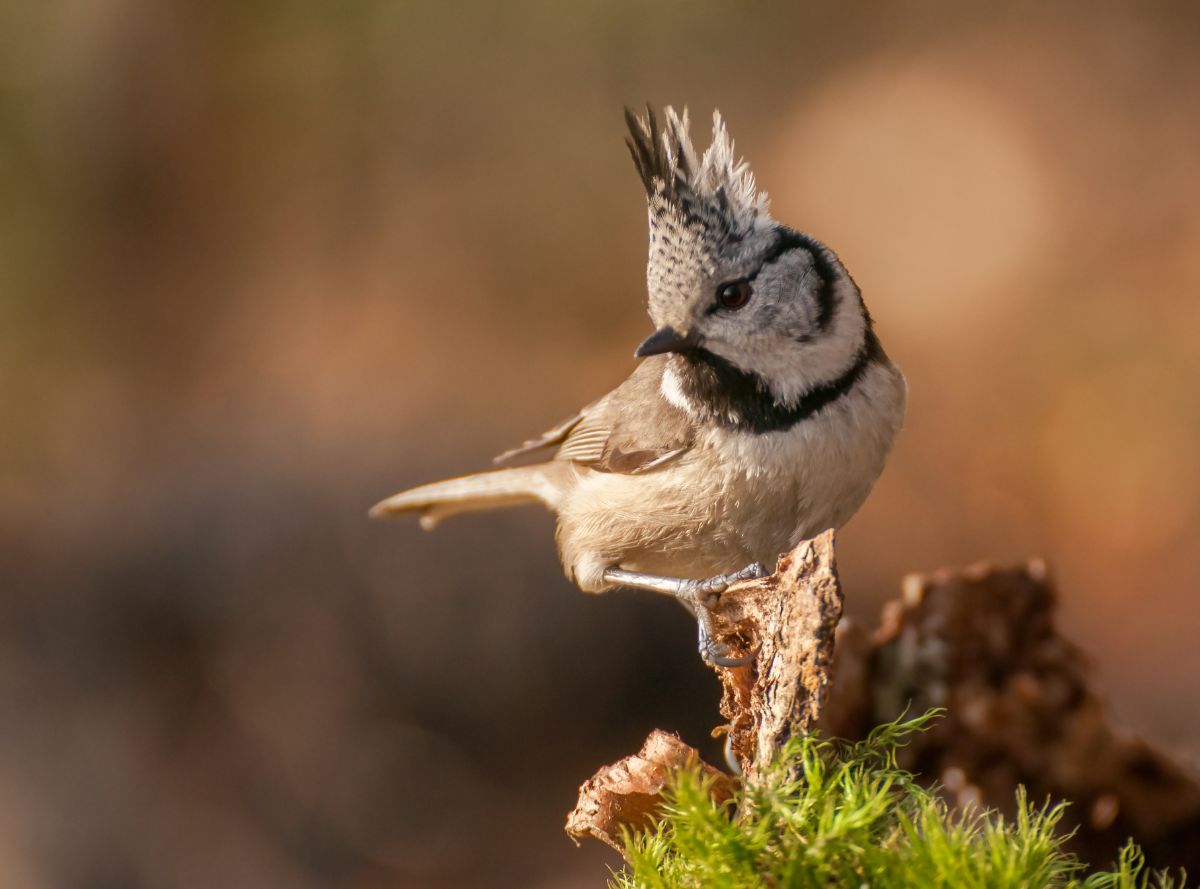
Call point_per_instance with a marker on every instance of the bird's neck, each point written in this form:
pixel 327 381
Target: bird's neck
pixel 719 392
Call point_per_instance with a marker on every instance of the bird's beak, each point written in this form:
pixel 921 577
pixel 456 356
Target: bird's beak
pixel 667 340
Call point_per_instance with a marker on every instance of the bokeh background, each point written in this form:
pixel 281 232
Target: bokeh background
pixel 264 263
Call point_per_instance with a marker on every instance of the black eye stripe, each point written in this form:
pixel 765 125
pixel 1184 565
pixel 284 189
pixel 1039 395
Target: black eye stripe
pixel 788 240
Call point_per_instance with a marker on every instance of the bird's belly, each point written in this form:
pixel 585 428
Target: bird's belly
pixel 731 501
pixel 696 519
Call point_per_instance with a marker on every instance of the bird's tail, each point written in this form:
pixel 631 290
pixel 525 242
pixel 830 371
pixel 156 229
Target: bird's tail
pixel 497 489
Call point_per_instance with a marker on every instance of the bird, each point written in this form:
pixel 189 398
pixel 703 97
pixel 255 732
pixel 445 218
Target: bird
pixel 761 413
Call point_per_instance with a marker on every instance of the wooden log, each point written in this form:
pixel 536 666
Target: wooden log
pixel 789 620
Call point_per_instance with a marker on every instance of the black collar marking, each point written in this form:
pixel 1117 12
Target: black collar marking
pixel 741 401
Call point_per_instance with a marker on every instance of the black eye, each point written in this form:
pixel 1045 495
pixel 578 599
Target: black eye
pixel 734 295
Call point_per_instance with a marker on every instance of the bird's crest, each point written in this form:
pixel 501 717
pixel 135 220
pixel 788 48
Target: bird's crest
pixel 716 190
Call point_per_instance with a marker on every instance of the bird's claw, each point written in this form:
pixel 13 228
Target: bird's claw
pixel 701 597
pixel 716 654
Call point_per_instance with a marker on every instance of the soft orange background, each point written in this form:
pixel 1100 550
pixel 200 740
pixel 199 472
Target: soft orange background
pixel 263 264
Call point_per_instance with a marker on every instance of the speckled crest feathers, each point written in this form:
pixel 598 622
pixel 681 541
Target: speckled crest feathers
pixel 716 190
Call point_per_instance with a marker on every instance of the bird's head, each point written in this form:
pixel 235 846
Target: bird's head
pixel 735 295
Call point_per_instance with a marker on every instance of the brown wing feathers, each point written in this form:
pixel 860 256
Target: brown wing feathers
pixel 546 439
pixel 631 430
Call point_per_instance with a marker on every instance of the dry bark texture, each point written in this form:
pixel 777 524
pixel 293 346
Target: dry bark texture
pixel 1019 710
pixel 628 792
pixel 790 620
pixel 980 643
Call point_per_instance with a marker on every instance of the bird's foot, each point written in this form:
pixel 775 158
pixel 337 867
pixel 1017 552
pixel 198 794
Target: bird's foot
pixel 716 654
pixel 708 591
pixel 700 597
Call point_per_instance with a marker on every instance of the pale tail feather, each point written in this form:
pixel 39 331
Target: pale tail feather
pixel 472 493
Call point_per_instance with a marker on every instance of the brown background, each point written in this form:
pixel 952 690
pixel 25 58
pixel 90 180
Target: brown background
pixel 264 263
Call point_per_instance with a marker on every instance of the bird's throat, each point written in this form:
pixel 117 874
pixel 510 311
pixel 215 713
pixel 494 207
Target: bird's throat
pixel 736 399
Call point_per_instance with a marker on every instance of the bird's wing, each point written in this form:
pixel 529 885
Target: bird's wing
pixel 552 436
pixel 630 430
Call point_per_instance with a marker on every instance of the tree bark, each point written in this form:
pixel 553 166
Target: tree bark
pixel 1020 709
pixel 982 644
pixel 789 621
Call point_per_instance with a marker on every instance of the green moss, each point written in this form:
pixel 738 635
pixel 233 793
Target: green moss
pixel 832 813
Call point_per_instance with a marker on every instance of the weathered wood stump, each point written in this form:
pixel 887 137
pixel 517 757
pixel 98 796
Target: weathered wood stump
pixel 982 644
pixel 789 619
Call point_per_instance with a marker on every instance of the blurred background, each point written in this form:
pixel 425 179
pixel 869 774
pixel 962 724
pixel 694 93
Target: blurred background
pixel 262 264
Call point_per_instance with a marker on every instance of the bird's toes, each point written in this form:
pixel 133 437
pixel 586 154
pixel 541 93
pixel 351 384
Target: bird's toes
pixel 709 590
pixel 754 571
pixel 716 654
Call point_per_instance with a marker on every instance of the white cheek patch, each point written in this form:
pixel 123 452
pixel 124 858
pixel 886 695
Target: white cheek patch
pixel 672 391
